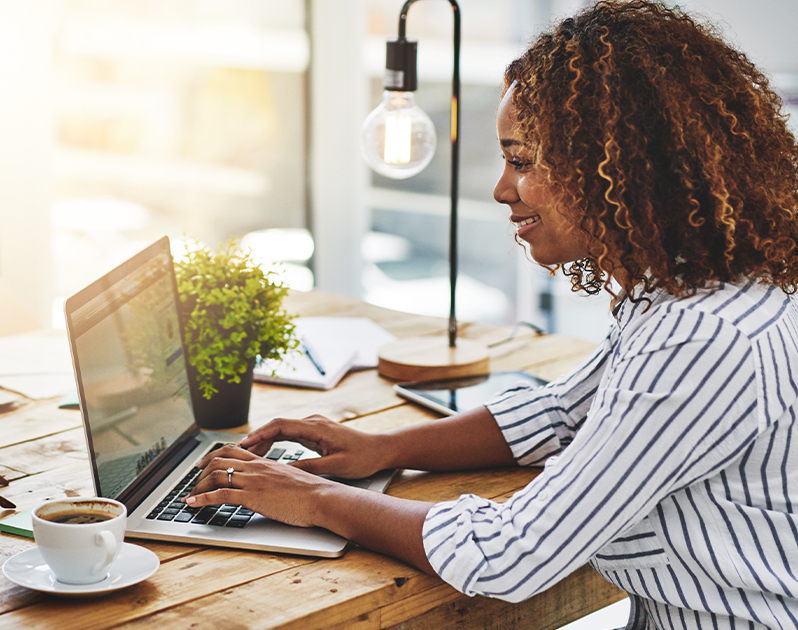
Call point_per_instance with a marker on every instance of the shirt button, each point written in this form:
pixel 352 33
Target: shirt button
pixel 543 495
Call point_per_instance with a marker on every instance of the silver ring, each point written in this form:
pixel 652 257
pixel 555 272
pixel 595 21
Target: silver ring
pixel 230 472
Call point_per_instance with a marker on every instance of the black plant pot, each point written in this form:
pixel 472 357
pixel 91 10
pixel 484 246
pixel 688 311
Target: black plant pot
pixel 226 409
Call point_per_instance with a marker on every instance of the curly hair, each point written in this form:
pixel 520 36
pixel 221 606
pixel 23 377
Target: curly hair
pixel 671 146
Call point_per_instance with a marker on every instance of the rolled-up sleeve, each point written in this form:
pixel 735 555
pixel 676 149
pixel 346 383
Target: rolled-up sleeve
pixel 538 423
pixel 686 378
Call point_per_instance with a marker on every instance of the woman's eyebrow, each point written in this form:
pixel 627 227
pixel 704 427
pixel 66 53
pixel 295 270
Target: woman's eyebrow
pixel 509 142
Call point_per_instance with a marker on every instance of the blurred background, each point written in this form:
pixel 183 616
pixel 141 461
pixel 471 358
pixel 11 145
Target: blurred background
pixel 123 120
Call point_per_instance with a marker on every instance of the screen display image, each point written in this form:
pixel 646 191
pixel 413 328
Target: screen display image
pixel 133 373
pixel 463 394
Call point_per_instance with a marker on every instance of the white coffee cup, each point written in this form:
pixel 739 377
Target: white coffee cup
pixel 80 538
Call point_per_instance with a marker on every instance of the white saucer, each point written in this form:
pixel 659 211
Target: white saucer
pixel 132 565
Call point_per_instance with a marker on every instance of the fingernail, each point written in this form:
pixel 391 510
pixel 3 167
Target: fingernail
pixel 191 500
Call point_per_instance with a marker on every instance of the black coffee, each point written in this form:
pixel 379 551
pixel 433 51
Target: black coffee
pixel 78 517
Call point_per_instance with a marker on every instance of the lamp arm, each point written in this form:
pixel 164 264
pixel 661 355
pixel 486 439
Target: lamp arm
pixel 454 127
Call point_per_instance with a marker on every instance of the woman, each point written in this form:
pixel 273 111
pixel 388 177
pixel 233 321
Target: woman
pixel 647 158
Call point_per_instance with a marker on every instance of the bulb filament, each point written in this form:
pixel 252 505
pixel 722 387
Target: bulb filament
pixel 397 140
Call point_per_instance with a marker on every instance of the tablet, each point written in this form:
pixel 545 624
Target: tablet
pixel 451 396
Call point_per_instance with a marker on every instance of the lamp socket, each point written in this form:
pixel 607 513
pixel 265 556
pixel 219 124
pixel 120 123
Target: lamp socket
pixel 400 66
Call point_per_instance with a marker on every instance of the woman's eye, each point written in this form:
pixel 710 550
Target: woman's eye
pixel 519 165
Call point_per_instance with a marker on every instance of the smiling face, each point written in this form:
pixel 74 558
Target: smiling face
pixel 536 204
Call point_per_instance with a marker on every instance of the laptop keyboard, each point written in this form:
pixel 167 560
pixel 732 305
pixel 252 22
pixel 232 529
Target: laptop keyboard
pixel 173 509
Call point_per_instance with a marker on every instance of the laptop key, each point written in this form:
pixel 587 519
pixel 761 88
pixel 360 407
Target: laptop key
pixel 275 453
pixel 204 515
pixel 218 520
pixel 183 517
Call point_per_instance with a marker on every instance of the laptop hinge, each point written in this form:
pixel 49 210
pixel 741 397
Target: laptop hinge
pixel 137 492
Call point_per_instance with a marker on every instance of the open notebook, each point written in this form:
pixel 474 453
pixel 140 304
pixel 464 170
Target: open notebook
pixel 331 347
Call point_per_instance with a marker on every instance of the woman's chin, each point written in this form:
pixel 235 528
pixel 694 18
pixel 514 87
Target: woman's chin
pixel 548 259
pixel 549 256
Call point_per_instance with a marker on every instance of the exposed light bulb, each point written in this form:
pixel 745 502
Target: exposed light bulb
pixel 398 138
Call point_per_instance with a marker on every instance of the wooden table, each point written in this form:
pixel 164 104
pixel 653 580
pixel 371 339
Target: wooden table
pixel 43 455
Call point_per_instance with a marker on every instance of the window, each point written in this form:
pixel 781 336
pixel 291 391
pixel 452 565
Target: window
pixel 178 118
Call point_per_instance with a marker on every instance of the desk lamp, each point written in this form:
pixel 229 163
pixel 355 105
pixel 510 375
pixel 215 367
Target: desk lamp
pixel 398 141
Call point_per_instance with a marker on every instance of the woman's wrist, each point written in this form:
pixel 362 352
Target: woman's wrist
pixel 326 501
pixel 376 521
pixel 388 449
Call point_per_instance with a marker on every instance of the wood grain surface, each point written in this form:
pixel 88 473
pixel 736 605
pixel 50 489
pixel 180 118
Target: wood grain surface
pixel 43 455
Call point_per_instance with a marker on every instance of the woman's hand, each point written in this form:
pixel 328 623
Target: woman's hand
pixel 287 494
pixel 345 452
pixel 277 491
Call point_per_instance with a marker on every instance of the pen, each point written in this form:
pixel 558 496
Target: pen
pixel 310 355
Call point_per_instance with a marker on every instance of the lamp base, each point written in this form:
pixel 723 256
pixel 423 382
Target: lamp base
pixel 431 359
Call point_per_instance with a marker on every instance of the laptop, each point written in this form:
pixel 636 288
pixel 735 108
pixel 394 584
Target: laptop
pixel 130 369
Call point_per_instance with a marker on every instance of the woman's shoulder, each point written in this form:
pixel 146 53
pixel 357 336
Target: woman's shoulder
pixel 751 326
pixel 752 308
pixel 720 315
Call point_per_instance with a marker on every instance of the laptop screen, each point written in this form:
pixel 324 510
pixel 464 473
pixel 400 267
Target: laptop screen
pixel 130 367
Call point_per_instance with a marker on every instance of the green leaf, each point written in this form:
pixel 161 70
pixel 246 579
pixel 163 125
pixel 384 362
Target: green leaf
pixel 231 311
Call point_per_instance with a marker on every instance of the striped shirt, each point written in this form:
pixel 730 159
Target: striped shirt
pixel 670 466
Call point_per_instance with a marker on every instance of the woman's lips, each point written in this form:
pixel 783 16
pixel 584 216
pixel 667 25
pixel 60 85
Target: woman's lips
pixel 523 226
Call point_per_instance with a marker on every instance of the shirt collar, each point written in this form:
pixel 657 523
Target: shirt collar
pixel 626 310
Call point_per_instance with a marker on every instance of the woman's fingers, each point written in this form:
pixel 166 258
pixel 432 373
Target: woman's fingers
pixel 336 464
pixel 274 490
pixel 309 432
pixel 345 452
pixel 268 433
pixel 217 497
pixel 222 475
pixel 228 451
pixel 215 475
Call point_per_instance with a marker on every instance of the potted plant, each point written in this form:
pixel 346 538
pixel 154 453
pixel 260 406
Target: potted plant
pixel 231 311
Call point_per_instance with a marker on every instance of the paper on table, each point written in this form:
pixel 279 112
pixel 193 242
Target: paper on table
pixel 360 333
pixel 36 366
pixel 8 398
pixel 19 523
pixel 330 361
pixel 340 343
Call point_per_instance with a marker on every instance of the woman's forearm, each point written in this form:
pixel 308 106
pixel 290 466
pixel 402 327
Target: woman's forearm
pixel 391 525
pixel 465 441
pixel 379 522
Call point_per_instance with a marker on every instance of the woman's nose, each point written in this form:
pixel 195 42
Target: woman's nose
pixel 504 191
